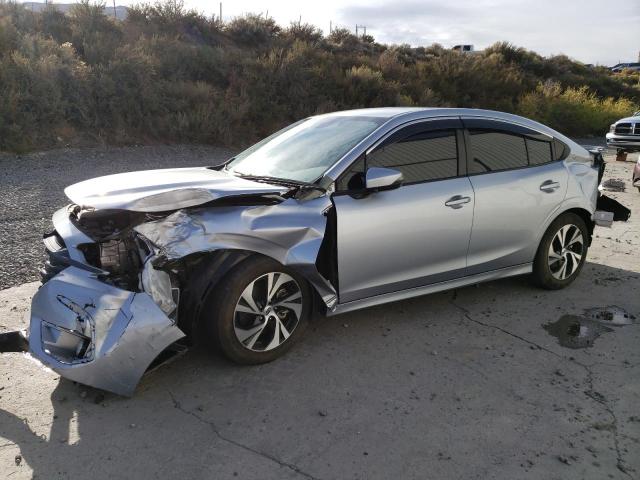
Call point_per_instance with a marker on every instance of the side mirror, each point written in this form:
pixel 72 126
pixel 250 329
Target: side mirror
pixel 378 178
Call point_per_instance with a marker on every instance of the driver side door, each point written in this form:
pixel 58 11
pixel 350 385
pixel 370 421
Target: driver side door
pixel 412 235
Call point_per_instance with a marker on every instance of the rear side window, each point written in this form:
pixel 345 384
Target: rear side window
pixel 539 152
pixel 493 151
pixel 429 155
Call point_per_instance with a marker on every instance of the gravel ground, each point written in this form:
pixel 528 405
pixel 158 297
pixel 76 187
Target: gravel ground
pixel 31 189
pixel 465 384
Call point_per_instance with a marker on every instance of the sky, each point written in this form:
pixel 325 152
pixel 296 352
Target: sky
pixel 591 31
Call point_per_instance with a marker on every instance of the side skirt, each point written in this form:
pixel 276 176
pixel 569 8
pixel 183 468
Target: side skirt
pixel 433 288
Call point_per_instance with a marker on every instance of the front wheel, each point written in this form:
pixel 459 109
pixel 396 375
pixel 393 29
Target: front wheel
pixel 258 311
pixel 562 252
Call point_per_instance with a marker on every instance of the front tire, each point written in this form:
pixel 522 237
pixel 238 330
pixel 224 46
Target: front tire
pixel 562 252
pixel 258 311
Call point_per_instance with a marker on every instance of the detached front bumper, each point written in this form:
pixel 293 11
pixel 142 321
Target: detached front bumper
pixel 97 334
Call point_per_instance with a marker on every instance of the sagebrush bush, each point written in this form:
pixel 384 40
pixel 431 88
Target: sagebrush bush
pixel 171 74
pixel 574 111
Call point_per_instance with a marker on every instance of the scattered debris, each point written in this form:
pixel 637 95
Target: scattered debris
pixel 13 342
pixel 614 185
pixel 612 314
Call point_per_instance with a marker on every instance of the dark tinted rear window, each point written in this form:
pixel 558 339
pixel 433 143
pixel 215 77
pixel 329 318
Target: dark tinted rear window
pixel 494 151
pixel 539 151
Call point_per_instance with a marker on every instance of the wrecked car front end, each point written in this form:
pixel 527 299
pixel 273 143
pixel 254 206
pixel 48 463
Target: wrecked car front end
pixel 111 289
pixel 103 314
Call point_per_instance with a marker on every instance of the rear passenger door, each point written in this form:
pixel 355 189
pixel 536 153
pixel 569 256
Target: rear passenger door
pixel 518 186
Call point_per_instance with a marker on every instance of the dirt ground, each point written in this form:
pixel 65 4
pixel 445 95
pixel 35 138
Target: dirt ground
pixel 461 384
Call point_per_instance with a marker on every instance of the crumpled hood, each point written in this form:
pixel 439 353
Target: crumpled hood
pixel 163 189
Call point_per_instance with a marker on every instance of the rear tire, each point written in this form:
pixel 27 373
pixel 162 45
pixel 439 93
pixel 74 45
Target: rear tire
pixel 249 323
pixel 562 252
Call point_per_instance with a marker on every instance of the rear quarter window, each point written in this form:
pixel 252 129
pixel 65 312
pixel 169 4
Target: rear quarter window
pixel 561 151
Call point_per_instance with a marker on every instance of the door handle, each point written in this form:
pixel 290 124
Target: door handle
pixel 457 201
pixel 549 186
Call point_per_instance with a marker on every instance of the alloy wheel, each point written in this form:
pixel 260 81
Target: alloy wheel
pixel 565 252
pixel 268 311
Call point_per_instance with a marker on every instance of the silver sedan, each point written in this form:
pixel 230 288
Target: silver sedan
pixel 334 213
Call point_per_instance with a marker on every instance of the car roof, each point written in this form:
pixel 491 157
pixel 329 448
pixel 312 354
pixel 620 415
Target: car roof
pixel 427 112
pixel 391 114
pixel 381 112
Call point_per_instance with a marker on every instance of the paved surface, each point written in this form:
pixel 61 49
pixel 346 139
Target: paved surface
pixel 462 384
pixel 32 188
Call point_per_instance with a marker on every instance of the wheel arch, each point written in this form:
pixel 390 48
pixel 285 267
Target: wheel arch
pixel 585 215
pixel 202 271
pixel 581 212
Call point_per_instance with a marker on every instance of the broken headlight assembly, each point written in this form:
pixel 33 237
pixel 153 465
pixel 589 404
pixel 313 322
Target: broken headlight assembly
pixel 64 345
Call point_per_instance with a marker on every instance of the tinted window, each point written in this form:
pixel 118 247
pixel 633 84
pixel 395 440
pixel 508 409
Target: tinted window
pixel 420 157
pixel 539 151
pixel 492 151
pixel 562 151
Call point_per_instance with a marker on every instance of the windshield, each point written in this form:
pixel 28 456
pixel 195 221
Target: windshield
pixel 305 150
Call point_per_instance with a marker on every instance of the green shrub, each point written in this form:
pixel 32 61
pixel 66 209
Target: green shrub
pixel 574 111
pixel 42 85
pixel 253 30
pixel 168 73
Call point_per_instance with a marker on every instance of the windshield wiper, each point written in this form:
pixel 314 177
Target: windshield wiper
pixel 281 181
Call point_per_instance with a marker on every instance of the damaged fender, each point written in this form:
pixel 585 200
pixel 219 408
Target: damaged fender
pixel 97 334
pixel 290 232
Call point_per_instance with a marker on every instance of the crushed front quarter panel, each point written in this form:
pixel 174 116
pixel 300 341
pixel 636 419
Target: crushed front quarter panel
pixel 290 232
pixel 126 331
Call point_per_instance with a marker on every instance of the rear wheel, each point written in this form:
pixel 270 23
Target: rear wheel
pixel 258 311
pixel 562 252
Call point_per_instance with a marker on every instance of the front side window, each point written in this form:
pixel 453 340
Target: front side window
pixel 305 150
pixel 494 151
pixel 425 156
pixel 354 178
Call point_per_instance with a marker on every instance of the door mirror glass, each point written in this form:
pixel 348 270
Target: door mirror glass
pixel 379 178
